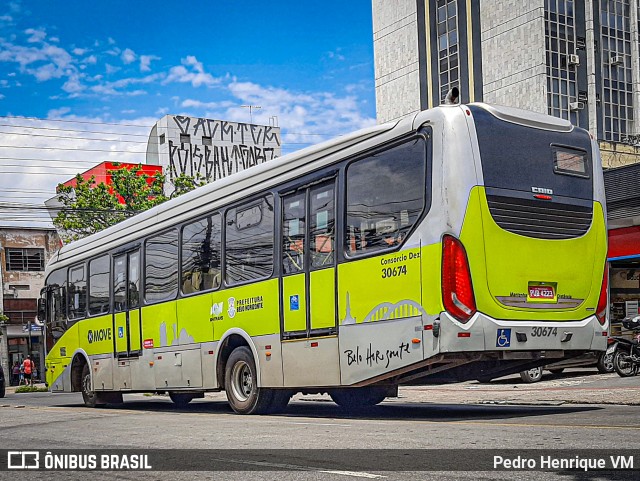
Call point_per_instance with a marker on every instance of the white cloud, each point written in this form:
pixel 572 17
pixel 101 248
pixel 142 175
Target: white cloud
pixel 35 35
pixel 191 71
pixel 79 51
pixel 145 62
pixel 91 59
pixel 128 56
pixel 305 117
pixel 190 103
pixel 110 69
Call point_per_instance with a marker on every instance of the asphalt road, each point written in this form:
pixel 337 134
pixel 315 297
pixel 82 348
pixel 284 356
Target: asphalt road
pixel 450 420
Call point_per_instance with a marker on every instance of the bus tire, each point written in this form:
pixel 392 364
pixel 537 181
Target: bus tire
pixel 241 384
pixel 90 397
pixel 531 375
pixel 181 399
pixel 358 397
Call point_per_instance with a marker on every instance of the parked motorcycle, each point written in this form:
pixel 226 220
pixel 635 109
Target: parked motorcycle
pixel 626 360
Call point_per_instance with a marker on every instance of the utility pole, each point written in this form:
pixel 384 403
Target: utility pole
pixel 251 109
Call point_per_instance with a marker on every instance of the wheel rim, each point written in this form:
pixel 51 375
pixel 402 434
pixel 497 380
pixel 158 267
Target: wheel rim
pixel 241 381
pixel 535 373
pixel 608 362
pixel 86 386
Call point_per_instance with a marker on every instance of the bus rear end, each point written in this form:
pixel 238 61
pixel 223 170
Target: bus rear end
pixel 526 279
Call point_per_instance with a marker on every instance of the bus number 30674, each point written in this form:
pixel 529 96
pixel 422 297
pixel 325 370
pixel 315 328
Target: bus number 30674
pixel 394 271
pixel 544 331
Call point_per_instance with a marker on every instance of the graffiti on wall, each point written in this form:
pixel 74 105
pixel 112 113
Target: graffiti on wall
pixel 215 149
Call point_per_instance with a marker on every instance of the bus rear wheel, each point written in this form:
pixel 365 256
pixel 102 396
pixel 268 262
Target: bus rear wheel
pixel 358 397
pixel 241 384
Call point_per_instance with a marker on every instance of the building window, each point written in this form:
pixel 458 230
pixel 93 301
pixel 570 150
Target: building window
pixel 562 60
pixel 162 139
pixel 448 54
pixel 617 82
pixel 207 141
pixel 25 259
pixel 185 139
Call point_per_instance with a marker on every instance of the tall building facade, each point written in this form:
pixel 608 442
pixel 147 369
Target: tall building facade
pixel 209 149
pixel 574 59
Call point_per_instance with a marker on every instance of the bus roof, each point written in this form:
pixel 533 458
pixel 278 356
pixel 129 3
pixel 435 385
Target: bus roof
pixel 204 199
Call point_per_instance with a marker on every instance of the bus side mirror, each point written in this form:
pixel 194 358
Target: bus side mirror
pixel 42 309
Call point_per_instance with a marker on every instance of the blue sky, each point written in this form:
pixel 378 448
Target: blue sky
pixel 110 66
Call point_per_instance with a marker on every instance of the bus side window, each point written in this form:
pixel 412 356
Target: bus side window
pixel 249 241
pixel 200 270
pixel 322 225
pixel 293 227
pixel 386 194
pixel 77 292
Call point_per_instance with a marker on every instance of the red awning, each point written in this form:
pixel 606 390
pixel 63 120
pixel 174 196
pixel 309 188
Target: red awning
pixel 624 242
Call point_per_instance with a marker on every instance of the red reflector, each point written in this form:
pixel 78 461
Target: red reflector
pixel 464 334
pixel 268 346
pixel 159 357
pixel 428 327
pixel 314 344
pixel 543 197
pixel 210 353
pixel 604 333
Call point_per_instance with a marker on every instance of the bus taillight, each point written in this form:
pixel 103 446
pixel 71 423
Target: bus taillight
pixel 457 289
pixel 601 310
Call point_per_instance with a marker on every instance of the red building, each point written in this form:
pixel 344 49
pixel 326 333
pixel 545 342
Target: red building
pixel 101 172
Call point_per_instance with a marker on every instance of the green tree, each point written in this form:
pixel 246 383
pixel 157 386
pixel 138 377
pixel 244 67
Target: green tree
pixel 90 207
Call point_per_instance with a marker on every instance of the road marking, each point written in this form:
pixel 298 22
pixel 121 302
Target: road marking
pixel 296 467
pixel 320 424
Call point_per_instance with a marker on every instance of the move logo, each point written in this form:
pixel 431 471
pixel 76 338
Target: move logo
pixel 98 335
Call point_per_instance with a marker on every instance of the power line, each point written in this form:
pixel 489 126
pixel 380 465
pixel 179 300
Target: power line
pixel 73 150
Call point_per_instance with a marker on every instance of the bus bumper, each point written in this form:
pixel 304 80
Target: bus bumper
pixel 483 333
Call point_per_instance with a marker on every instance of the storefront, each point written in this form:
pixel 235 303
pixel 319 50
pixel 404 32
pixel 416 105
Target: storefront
pixel 622 187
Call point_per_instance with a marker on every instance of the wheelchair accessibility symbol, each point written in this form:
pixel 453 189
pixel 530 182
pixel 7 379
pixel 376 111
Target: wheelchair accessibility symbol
pixel 503 338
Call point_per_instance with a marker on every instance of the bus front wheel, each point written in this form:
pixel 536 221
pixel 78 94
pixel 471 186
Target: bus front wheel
pixel 241 384
pixel 89 396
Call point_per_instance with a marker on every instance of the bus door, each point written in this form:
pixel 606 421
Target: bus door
pixel 308 262
pixel 126 292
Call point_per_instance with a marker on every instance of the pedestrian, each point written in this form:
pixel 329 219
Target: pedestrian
pixel 15 374
pixel 28 369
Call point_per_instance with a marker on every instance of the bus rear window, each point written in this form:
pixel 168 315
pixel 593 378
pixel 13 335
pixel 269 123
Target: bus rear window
pixel 570 162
